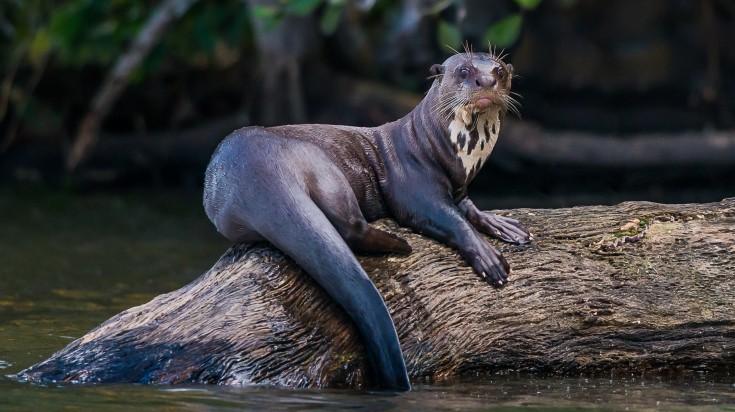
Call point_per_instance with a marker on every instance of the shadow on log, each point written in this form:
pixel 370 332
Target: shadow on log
pixel 637 287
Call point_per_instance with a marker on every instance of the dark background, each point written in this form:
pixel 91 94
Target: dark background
pixel 624 100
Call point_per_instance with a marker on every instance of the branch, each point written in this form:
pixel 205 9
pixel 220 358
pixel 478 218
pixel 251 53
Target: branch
pixel 119 76
pixel 524 140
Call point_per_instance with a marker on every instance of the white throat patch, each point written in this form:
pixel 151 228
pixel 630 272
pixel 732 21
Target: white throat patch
pixel 473 137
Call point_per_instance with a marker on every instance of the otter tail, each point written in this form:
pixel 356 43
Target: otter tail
pixel 301 230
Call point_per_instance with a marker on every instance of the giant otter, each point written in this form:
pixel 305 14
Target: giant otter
pixel 311 190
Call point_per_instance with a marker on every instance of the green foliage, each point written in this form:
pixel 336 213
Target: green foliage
pixel 41 35
pixel 448 34
pixel 84 32
pixel 329 11
pixel 528 4
pixel 502 34
pixel 270 16
pixel 331 17
pixel 94 32
pixel 505 32
pixel 20 31
pixel 40 46
pixel 302 7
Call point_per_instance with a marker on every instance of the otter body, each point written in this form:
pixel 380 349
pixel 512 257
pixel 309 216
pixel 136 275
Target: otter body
pixel 311 190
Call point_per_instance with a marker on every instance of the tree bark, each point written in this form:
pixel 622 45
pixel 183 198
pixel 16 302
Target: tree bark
pixel 633 288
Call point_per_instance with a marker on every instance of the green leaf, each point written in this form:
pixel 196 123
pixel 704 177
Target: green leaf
pixel 67 26
pixel 528 4
pixel 330 19
pixel 505 32
pixel 449 35
pixel 265 12
pixel 302 7
pixel 268 15
pixel 40 46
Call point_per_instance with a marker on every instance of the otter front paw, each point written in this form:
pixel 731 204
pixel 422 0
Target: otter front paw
pixel 504 228
pixel 490 265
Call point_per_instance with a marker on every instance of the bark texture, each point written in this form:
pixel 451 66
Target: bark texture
pixel 638 287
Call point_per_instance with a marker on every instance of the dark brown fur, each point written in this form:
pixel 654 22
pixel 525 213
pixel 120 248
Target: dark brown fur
pixel 312 189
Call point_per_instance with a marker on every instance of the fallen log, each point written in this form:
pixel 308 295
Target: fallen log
pixel 633 288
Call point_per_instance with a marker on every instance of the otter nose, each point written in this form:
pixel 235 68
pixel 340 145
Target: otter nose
pixel 486 81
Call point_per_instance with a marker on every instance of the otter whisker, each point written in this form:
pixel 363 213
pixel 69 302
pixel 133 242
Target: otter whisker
pixel 452 49
pixel 470 54
pixel 452 100
pixel 446 103
pixel 515 111
pixel 449 107
pixel 448 112
pixel 511 105
pixel 445 110
pixel 495 55
pixel 511 99
pixel 494 52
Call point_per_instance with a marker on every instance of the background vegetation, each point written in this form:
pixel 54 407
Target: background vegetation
pixel 89 96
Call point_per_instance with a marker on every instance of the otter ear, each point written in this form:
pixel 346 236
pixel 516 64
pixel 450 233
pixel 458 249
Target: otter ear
pixel 509 67
pixel 437 69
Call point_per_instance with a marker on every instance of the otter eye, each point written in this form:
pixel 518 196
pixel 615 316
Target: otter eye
pixel 464 72
pixel 500 72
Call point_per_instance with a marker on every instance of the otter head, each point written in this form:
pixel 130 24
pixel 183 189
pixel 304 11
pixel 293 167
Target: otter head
pixel 471 96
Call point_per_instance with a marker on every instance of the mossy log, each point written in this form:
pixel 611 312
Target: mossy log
pixel 633 288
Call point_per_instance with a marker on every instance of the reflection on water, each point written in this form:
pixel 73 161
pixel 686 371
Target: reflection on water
pixel 67 263
pixel 503 393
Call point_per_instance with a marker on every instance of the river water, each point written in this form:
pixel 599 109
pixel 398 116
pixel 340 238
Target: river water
pixel 69 262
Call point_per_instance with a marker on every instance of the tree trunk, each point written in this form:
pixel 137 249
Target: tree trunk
pixel 638 287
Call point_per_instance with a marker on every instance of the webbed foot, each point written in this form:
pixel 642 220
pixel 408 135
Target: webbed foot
pixel 504 228
pixel 488 263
